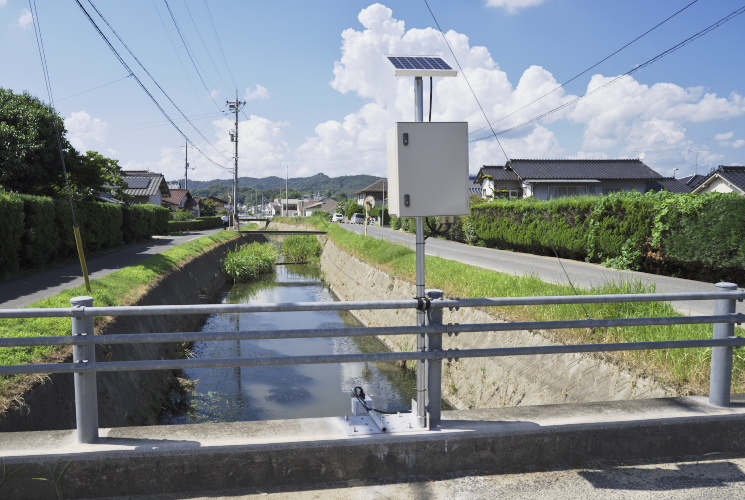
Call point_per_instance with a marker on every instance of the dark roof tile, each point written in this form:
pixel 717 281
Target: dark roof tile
pixel 582 169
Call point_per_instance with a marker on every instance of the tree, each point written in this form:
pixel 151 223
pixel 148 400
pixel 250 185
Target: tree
pixel 29 150
pixel 30 153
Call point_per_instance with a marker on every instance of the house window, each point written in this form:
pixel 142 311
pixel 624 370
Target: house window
pixel 561 191
pixel 514 193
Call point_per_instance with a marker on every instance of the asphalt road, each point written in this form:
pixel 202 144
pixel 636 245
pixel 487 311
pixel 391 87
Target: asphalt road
pixel 550 269
pixel 20 292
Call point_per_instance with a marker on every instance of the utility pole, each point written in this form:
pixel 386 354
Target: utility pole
pixel 287 178
pixel 186 165
pixel 235 106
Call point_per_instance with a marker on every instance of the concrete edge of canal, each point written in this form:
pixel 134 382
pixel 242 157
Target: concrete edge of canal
pixel 245 457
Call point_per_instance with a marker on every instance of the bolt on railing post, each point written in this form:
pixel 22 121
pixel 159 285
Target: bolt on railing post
pixel 720 383
pixel 434 366
pixel 86 395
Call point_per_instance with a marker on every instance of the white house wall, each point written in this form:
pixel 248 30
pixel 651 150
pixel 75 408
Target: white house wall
pixel 718 186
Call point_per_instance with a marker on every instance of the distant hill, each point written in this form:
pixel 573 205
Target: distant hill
pixel 319 183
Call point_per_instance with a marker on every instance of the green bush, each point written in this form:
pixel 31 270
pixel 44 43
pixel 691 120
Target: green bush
pixel 11 227
pixel 182 215
pixel 301 248
pixel 198 224
pixel 250 261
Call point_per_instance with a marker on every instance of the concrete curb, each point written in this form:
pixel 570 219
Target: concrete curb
pixel 310 452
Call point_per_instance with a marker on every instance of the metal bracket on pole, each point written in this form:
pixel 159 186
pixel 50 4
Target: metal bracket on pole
pixel 433 343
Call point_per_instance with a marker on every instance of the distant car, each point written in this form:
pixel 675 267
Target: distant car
pixel 337 218
pixel 357 219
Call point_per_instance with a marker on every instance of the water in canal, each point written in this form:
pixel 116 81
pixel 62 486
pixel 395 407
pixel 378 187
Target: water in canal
pixel 294 391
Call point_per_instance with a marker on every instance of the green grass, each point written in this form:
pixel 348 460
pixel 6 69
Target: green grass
pixel 687 370
pixel 119 288
pixel 301 248
pixel 250 261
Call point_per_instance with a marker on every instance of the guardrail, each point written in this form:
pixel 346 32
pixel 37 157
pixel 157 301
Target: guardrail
pixel 429 388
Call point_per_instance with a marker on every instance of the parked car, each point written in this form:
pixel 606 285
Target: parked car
pixel 337 218
pixel 357 219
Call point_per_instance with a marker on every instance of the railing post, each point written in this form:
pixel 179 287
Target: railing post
pixel 434 366
pixel 86 395
pixel 720 383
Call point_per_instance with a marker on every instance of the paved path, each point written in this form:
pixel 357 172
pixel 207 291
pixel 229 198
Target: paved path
pixel 20 292
pixel 549 269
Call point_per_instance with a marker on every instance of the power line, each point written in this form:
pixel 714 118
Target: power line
pixel 205 45
pixel 466 78
pixel 214 30
pixel 142 85
pixel 95 88
pixel 191 57
pixel 669 51
pixel 585 71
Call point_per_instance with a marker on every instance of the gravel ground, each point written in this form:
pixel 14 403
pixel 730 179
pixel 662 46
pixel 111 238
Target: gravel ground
pixel 717 476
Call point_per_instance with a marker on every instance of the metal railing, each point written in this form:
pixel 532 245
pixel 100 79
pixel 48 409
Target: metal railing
pixel 430 351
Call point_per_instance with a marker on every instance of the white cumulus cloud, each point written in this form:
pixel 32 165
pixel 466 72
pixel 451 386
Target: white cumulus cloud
pixel 26 19
pixel 260 92
pixel 512 6
pixel 84 131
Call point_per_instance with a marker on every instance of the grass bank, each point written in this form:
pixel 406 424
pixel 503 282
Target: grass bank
pixel 685 370
pixel 119 288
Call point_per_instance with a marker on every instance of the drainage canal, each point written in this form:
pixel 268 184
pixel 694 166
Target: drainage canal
pixel 286 392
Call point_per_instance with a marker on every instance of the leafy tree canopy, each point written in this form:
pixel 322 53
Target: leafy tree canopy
pixel 30 159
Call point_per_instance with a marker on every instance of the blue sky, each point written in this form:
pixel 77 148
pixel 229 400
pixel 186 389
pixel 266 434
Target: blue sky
pixel 320 95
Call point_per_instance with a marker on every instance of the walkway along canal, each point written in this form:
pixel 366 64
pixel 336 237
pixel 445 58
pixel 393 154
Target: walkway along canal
pixel 292 391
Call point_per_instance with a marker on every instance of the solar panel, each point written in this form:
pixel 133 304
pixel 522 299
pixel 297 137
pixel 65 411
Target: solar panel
pixel 421 66
pixel 137 182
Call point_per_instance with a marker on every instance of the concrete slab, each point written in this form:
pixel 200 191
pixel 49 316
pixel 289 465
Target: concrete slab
pixel 210 457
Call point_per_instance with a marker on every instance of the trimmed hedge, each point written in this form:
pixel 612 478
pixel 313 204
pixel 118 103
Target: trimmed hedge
pixel 698 236
pixel 197 224
pixel 38 230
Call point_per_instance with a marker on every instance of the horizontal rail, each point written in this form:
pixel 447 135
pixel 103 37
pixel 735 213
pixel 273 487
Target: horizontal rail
pixel 192 363
pixel 362 305
pixel 150 338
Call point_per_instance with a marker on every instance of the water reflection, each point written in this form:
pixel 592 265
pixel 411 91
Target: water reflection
pixel 284 392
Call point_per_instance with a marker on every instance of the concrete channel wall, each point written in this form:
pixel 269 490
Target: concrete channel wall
pixel 126 398
pixel 485 382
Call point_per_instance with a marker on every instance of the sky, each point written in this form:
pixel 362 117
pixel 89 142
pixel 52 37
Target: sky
pixel 320 94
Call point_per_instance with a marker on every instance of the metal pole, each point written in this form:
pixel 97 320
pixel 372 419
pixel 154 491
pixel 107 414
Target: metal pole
pixel 720 383
pixel 434 366
pixel 421 372
pixel 86 395
pixel 235 186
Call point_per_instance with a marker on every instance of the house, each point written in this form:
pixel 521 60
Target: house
pixel 378 190
pixel 723 179
pixel 181 199
pixel 220 204
pixel 290 207
pixel 328 205
pixel 146 187
pixel 547 179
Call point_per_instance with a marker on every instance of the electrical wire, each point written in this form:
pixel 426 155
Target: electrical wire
pixel 199 34
pixel 359 393
pixel 178 56
pixel 669 51
pixel 588 69
pixel 142 85
pixel 95 88
pixel 191 57
pixel 214 30
pixel 466 79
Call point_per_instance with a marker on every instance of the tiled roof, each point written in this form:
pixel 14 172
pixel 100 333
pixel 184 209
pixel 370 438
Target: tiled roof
pixel 177 196
pixel 497 172
pixel 668 184
pixel 582 169
pixel 375 187
pixel 692 180
pixel 733 174
pixel 144 183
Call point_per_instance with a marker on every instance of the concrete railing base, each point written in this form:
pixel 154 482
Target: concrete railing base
pixel 247 456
